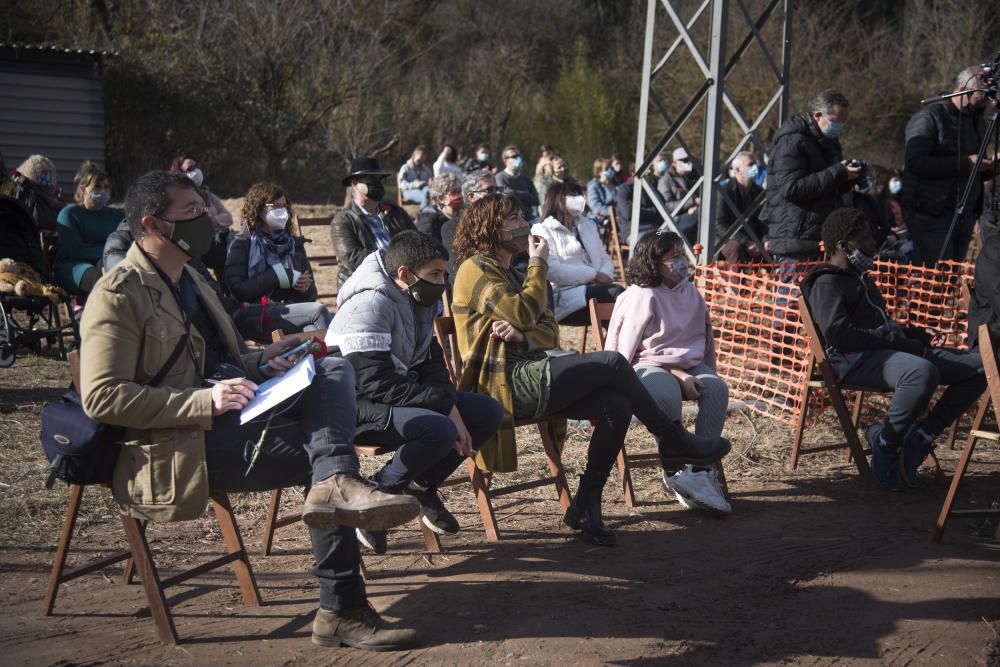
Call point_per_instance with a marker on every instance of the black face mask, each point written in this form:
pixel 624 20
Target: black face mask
pixel 425 293
pixel 194 235
pixel 376 191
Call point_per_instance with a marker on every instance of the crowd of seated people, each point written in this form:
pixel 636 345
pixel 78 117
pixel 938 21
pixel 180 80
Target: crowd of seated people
pixel 513 277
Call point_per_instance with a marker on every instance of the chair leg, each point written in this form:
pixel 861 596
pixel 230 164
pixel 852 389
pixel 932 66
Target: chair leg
pixel 953 433
pixel 850 432
pixel 480 487
pixel 722 479
pixel 625 470
pixel 583 340
pixel 555 465
pixel 272 519
pixel 949 501
pixel 150 581
pixel 234 545
pixel 855 416
pixel 431 539
pixel 128 576
pixel 62 551
pixel 800 423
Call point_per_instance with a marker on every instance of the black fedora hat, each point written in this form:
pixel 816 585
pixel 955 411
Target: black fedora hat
pixel 362 166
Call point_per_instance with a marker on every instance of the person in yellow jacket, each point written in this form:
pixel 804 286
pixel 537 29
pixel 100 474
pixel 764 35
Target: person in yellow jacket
pixel 183 437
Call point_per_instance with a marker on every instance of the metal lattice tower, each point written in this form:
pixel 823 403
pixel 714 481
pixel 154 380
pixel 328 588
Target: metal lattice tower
pixel 710 88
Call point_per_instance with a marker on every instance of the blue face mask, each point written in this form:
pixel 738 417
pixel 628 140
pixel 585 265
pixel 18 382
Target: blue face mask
pixel 753 171
pixel 660 166
pixel 609 173
pixel 517 163
pixel 833 130
pixel 895 185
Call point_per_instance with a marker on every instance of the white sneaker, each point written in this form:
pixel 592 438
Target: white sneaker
pixel 698 490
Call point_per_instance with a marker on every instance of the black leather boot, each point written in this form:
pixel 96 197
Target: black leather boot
pixel 678 447
pixel 584 514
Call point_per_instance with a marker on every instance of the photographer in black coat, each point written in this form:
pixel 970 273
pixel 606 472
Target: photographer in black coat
pixel 942 140
pixel 807 177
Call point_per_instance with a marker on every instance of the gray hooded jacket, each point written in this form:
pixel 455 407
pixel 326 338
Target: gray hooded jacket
pixel 390 342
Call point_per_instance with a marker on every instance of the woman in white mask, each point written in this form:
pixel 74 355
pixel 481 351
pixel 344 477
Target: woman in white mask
pixel 579 266
pixel 215 258
pixel 661 325
pixel 268 271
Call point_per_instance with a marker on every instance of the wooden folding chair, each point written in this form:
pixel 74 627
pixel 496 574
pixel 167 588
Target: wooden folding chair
pixel 820 374
pixel 444 329
pixel 618 249
pixel 138 555
pixel 273 521
pixel 600 315
pixel 991 398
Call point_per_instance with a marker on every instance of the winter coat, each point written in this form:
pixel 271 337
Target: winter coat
pixel 274 284
pixel 984 307
pixel 804 184
pixel 576 256
pixel 850 313
pixel 430 219
pixel 936 165
pixel 129 329
pixel 353 239
pixel 743 198
pixel 390 342
pixel 673 188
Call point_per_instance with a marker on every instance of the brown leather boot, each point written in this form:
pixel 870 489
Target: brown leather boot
pixel 349 500
pixel 360 627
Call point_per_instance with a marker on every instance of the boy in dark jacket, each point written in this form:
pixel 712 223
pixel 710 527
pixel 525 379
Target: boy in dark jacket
pixel 385 328
pixel 868 349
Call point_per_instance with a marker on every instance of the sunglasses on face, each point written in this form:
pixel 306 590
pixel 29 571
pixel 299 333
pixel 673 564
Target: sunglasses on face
pixel 512 156
pixel 489 191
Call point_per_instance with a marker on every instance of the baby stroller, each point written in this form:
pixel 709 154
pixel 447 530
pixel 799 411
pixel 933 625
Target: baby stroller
pixel 28 321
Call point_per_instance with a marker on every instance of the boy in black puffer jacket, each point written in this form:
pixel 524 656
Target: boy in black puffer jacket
pixel 868 349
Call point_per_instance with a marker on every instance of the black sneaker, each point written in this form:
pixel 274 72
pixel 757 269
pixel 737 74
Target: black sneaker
pixel 433 512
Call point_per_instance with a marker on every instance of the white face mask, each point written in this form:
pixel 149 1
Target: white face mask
pixel 483 157
pixel 684 168
pixel 576 204
pixel 276 219
pixel 196 177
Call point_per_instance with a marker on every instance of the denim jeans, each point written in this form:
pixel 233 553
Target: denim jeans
pixel 421 196
pixel 289 317
pixel 310 441
pixel 913 380
pixel 425 441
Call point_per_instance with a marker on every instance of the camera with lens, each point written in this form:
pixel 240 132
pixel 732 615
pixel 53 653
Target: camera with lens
pixel 864 181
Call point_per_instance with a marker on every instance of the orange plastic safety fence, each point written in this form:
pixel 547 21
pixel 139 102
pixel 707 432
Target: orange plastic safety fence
pixel 760 343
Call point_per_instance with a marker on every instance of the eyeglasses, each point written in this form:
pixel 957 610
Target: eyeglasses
pixel 507 157
pixel 270 206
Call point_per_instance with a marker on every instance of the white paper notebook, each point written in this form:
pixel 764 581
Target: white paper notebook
pixel 277 389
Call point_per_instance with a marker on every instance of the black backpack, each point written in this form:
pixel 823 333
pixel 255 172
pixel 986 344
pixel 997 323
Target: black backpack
pixel 79 449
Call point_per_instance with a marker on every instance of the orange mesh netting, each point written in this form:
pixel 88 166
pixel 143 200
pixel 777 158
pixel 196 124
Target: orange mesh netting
pixel 760 343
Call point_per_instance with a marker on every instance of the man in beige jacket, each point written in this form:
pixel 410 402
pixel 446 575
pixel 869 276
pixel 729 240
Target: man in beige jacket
pixel 183 437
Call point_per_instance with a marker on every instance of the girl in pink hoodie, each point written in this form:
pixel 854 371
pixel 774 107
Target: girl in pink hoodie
pixel 662 327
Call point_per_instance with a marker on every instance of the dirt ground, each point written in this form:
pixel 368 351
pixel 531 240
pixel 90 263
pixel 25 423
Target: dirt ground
pixel 812 567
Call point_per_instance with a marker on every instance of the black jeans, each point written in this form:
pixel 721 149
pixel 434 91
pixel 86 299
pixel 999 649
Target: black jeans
pixel 603 293
pixel 309 442
pixel 913 380
pixel 425 441
pixel 602 387
pixel 928 233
